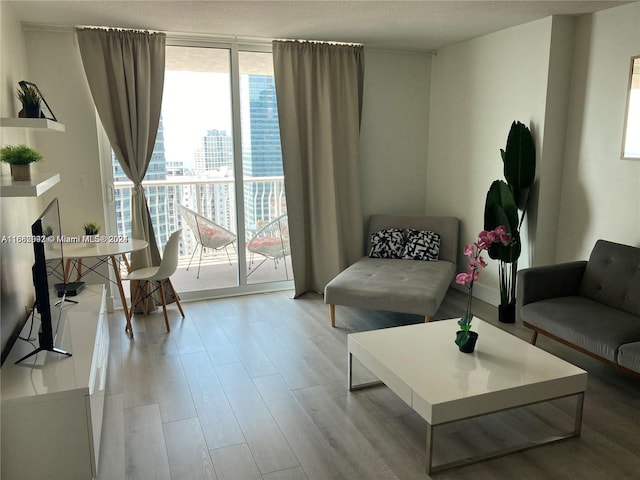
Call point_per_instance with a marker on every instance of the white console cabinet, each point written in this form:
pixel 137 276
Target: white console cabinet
pixel 52 405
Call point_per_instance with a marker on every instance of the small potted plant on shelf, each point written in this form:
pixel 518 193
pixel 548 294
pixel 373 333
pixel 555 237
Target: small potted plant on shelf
pixel 30 99
pixel 91 229
pixel 20 157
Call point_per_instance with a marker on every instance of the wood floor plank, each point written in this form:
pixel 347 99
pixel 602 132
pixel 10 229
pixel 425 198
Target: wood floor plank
pixel 266 442
pixel 235 463
pixel 321 363
pixel 317 456
pixel 216 417
pixel 112 444
pixel 186 335
pixel 250 353
pixel 285 356
pixel 404 454
pixel 137 374
pixel 342 434
pixel 214 340
pixel 296 473
pixel 174 396
pixel 187 451
pixel 145 452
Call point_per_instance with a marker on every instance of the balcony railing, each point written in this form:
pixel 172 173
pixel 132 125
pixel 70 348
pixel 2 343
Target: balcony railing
pixel 213 198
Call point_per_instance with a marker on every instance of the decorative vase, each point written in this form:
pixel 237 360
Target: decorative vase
pixel 470 345
pixel 20 172
pixel 507 313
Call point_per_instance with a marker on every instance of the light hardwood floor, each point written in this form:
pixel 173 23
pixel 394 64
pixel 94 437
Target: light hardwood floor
pixel 254 387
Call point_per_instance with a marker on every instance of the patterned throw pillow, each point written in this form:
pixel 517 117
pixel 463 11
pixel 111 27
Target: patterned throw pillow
pixel 422 245
pixel 387 243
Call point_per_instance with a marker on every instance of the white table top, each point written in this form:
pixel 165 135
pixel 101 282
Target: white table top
pixel 105 249
pixel 422 364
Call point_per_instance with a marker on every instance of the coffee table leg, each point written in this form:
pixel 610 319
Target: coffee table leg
pixel 578 418
pixel 358 386
pixel 429 459
pixel 505 451
pixel 350 372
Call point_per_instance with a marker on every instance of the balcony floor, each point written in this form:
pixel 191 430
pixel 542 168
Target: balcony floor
pixel 216 272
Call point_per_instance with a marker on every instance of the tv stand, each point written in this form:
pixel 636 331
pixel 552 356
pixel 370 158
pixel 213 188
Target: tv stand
pixel 52 405
pixel 40 349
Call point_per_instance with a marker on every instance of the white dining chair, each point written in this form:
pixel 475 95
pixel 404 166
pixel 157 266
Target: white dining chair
pixel 157 277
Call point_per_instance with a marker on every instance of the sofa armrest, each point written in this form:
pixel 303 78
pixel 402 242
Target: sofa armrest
pixel 549 281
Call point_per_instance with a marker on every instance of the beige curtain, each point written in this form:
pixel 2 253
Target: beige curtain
pixel 125 71
pixel 319 89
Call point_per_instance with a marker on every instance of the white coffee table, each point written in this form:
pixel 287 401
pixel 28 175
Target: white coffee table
pixel 422 365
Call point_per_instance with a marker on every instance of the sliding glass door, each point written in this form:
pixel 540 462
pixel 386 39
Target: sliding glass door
pixel 216 172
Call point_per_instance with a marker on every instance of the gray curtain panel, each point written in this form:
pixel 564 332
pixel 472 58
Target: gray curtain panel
pixel 125 71
pixel 319 89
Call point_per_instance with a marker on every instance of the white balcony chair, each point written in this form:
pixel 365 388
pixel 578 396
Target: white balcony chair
pixel 157 276
pixel 272 242
pixel 207 234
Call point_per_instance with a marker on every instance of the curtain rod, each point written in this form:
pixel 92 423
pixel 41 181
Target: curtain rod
pixel 210 37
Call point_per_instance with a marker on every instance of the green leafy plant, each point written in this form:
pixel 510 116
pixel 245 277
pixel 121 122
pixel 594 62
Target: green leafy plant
pixel 506 204
pixel 91 228
pixel 19 155
pixel 47 231
pixel 28 96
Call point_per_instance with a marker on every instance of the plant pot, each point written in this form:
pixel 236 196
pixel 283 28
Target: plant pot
pixel 30 111
pixel 89 240
pixel 470 345
pixel 21 172
pixel 507 313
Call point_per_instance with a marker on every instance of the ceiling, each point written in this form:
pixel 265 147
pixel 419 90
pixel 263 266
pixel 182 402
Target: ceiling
pixel 397 25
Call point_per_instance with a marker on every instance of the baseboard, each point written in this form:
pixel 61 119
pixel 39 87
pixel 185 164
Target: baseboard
pixel 482 292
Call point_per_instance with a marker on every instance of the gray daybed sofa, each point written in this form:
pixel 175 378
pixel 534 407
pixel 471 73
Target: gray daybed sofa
pixel 399 285
pixel 592 306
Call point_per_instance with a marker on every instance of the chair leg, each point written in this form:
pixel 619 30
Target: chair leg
pixel 145 299
pixel 534 337
pixel 134 300
pixel 228 256
pixel 286 271
pixel 164 305
pixel 332 315
pixel 427 319
pixel 175 295
pixel 200 261
pixel 191 259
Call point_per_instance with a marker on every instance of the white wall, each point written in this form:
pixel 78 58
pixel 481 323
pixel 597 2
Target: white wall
pixel 478 88
pixel 16 214
pixel 600 192
pixel 393 140
pixel 56 67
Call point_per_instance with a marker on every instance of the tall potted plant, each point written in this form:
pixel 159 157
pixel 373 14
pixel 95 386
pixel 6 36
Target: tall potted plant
pixel 506 204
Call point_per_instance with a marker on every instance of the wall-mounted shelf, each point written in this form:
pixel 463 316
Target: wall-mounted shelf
pixel 39 183
pixel 35 123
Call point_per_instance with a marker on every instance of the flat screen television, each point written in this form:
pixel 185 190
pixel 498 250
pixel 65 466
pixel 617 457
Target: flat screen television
pixel 48 263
